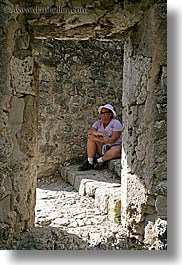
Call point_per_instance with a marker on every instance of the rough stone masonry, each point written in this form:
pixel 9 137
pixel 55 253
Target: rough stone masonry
pixel 140 26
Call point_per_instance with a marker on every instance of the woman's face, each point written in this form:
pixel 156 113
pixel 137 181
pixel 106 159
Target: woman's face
pixel 106 115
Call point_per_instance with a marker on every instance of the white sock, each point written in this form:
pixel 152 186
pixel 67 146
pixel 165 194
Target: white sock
pixel 100 160
pixel 91 160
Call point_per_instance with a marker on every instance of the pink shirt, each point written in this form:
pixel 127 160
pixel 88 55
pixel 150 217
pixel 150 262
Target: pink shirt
pixel 113 126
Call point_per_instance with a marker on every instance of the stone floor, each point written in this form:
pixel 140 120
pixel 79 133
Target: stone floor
pixel 69 219
pixel 59 206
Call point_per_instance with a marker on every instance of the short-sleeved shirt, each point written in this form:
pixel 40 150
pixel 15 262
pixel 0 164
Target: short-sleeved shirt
pixel 113 126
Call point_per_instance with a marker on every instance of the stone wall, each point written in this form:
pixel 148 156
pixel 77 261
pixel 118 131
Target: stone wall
pixel 144 176
pixel 74 79
pixel 18 129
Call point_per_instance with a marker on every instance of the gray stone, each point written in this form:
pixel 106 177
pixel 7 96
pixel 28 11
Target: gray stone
pixel 22 75
pixel 161 206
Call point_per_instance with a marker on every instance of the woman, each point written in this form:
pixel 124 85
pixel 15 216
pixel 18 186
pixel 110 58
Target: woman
pixel 104 138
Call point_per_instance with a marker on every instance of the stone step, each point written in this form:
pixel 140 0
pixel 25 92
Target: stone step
pixel 103 185
pixel 115 165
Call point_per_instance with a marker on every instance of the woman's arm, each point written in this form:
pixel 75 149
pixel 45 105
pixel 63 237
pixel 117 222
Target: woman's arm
pixel 111 140
pixel 93 131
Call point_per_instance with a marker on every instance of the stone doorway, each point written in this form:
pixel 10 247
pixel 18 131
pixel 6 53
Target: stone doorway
pixel 73 78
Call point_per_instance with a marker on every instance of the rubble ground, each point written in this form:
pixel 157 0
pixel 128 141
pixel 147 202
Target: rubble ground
pixel 59 205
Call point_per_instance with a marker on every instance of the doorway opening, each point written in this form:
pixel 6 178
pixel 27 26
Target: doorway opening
pixel 74 79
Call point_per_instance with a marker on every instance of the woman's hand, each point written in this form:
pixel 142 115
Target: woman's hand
pixel 98 134
pixel 92 137
pixel 105 134
pixel 95 133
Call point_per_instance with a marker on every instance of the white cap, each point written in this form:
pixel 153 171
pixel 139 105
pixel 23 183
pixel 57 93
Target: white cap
pixel 107 106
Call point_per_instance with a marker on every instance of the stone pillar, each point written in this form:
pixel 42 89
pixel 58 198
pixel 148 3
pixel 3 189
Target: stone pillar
pixel 18 129
pixel 144 127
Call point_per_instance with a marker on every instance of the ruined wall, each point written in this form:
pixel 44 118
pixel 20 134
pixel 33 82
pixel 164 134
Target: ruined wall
pixel 17 129
pixel 74 79
pixel 144 157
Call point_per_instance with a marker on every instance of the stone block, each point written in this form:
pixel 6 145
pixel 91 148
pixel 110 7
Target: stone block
pixel 4 232
pixel 91 188
pixel 64 173
pixel 22 75
pixel 71 178
pixel 82 188
pixel 102 199
pixel 161 206
pixel 77 182
pixel 16 111
pixel 114 205
pixel 85 178
pixel 115 165
pixel 4 209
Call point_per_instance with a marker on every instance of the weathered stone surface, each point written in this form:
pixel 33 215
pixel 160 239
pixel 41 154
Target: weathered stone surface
pixel 115 165
pixel 156 235
pixel 18 168
pixel 108 201
pixel 161 206
pixel 4 208
pixel 15 123
pixel 22 75
pixel 114 205
pixel 27 137
pixel 101 19
pixel 144 121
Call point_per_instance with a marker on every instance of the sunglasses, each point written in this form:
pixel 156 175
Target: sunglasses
pixel 105 112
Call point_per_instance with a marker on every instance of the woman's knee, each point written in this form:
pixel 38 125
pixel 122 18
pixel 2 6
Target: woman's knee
pixel 116 152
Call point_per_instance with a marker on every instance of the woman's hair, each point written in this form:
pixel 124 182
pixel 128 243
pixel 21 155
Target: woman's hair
pixel 111 112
